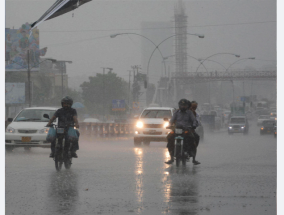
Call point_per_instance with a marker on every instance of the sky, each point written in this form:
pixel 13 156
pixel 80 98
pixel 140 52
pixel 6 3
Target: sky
pixel 247 28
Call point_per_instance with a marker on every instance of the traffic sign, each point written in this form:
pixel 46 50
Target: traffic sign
pixel 118 105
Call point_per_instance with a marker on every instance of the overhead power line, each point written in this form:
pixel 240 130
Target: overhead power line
pixel 135 29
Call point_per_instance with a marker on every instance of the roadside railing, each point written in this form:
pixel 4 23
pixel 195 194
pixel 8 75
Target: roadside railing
pixel 92 129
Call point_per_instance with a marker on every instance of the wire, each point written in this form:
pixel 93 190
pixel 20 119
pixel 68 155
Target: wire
pixel 190 26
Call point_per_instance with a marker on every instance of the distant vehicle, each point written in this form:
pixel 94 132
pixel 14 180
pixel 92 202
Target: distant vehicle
pixel 28 129
pixel 238 124
pixel 150 125
pixel 261 118
pixel 267 127
pixel 262 111
pixel 91 120
pixel 273 115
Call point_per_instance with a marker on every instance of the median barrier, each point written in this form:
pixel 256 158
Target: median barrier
pixel 92 129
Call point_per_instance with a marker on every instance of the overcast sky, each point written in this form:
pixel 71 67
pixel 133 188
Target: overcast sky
pixel 244 27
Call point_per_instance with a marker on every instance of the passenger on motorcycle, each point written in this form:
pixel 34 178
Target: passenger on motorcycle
pixel 66 116
pixel 182 118
pixel 193 108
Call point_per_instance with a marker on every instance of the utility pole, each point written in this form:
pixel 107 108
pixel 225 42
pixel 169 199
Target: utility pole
pixel 62 68
pixel 129 89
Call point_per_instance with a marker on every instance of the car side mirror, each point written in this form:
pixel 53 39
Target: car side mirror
pixel 166 119
pixel 10 119
pixel 46 116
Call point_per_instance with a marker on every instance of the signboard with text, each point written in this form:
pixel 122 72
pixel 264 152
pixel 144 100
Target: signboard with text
pixel 118 105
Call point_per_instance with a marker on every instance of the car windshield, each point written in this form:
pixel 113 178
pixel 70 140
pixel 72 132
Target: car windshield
pixel 156 114
pixel 237 120
pixel 34 115
pixel 268 123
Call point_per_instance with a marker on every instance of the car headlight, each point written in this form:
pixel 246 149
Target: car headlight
pixel 243 127
pixel 45 130
pixel 139 124
pixel 166 124
pixel 230 127
pixel 10 130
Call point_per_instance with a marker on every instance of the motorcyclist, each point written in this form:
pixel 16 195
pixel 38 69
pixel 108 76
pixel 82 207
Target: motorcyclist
pixel 181 118
pixel 193 108
pixel 66 116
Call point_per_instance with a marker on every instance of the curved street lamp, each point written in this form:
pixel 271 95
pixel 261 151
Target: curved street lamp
pixel 156 47
pixel 248 58
pixel 198 35
pixel 236 55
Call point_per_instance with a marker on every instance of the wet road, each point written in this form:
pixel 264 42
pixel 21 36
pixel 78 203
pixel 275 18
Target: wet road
pixel 237 175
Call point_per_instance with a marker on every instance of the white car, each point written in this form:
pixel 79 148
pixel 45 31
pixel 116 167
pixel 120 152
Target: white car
pixel 28 129
pixel 261 118
pixel 151 125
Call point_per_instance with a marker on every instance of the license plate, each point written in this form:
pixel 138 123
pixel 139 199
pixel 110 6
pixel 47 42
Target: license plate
pixel 60 130
pixel 152 131
pixel 26 139
pixel 178 131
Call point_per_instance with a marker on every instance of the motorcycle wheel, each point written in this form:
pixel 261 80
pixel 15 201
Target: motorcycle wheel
pixel 178 155
pixel 68 163
pixel 58 161
pixel 183 159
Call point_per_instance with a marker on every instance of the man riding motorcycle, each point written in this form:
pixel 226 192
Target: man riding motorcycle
pixel 182 118
pixel 66 116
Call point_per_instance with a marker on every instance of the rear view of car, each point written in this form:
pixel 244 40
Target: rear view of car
pixel 261 118
pixel 151 125
pixel 28 129
pixel 267 127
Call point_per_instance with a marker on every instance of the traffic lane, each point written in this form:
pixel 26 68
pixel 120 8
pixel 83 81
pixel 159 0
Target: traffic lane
pixel 113 177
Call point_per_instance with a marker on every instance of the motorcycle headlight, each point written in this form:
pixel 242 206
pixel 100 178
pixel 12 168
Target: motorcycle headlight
pixel 139 124
pixel 166 124
pixel 42 131
pixel 10 130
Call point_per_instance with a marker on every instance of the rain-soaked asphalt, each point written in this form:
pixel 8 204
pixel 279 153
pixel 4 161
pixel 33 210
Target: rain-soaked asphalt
pixel 237 176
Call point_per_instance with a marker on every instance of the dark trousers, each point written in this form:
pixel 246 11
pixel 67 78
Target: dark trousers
pixel 189 143
pixel 74 147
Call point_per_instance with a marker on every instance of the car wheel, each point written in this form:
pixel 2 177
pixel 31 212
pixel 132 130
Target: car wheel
pixel 137 142
pixel 146 143
pixel 9 148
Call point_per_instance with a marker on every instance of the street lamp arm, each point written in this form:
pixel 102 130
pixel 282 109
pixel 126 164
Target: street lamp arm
pixel 236 55
pixel 156 47
pixel 249 58
pixel 199 35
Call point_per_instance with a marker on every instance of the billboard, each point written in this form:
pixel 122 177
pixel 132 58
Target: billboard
pixel 18 42
pixel 15 93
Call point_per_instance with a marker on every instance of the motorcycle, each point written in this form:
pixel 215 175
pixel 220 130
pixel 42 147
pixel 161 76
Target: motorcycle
pixel 63 148
pixel 179 153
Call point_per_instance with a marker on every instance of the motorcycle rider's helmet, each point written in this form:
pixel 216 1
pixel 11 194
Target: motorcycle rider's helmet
pixel 68 100
pixel 189 104
pixel 183 104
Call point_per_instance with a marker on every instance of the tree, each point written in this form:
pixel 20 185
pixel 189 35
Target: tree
pixel 99 92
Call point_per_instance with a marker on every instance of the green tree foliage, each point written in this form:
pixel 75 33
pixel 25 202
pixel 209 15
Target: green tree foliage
pixel 99 92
